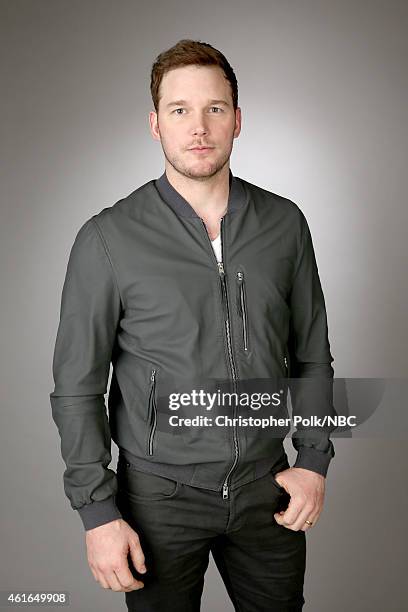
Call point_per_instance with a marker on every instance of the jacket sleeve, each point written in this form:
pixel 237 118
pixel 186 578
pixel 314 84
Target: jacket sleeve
pixel 311 383
pixel 89 314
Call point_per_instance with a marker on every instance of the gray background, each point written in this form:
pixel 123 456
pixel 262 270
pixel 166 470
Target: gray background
pixel 323 92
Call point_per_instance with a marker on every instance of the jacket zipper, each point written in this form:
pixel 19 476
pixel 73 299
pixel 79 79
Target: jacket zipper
pixel 152 412
pixel 242 309
pixel 224 292
pixel 285 359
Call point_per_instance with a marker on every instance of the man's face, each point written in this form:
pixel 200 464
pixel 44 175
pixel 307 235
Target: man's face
pixel 196 110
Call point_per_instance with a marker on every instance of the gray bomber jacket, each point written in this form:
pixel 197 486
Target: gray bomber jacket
pixel 143 290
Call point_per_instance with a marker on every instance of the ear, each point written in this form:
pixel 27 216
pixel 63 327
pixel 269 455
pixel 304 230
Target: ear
pixel 154 125
pixel 238 122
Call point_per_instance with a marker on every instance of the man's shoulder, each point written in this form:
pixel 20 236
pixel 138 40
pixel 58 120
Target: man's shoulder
pixel 128 203
pixel 270 199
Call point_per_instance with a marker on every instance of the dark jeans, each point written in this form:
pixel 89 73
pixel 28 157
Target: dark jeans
pixel 262 564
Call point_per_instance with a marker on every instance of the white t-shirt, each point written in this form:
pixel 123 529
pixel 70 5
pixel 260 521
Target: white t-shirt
pixel 216 244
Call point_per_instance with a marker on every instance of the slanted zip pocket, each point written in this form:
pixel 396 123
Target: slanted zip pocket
pixel 152 413
pixel 242 307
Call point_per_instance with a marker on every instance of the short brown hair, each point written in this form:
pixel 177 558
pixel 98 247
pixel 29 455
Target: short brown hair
pixel 185 53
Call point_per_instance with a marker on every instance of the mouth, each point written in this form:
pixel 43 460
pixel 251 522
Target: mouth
pixel 201 149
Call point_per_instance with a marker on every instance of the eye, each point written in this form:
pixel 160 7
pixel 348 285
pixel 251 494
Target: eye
pixel 212 107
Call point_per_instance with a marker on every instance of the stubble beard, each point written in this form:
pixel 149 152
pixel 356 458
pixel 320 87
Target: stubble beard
pixel 197 171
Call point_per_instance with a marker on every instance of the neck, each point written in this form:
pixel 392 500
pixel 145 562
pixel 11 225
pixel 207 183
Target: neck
pixel 208 196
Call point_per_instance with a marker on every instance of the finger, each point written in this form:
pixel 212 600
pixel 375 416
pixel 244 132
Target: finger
pixel 130 585
pixel 126 578
pixel 102 581
pixel 306 526
pixel 304 515
pixel 113 581
pixel 137 555
pixel 291 514
pixel 280 519
pixel 313 518
pixel 135 586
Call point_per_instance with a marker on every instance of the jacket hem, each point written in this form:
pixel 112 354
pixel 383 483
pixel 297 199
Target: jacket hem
pixel 187 474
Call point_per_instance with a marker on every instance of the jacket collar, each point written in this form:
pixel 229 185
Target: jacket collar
pixel 236 199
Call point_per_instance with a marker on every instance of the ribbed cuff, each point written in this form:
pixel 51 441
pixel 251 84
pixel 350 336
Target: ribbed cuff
pixel 311 459
pixel 98 513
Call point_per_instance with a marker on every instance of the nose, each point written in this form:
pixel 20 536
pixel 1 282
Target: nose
pixel 200 126
pixel 199 131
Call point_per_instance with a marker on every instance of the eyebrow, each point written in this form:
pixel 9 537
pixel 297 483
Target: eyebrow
pixel 181 102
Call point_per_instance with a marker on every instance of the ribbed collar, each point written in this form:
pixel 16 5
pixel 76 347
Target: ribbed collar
pixel 236 199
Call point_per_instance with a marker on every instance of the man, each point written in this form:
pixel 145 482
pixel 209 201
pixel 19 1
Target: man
pixel 198 275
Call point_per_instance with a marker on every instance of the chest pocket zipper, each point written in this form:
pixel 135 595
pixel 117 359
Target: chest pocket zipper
pixel 242 307
pixel 152 413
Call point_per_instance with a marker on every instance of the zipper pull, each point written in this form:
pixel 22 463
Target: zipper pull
pixel 221 268
pixel 152 375
pixel 225 491
pixel 240 277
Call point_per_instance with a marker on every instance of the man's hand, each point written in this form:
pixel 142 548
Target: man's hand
pixel 306 490
pixel 107 549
